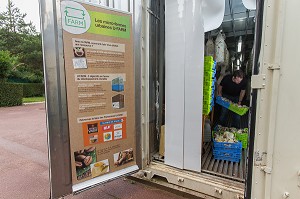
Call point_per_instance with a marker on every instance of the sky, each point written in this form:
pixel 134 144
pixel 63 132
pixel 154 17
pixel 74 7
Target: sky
pixel 30 7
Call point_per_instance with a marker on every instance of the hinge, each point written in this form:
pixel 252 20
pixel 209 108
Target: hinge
pixel 258 81
pixel 267 170
pixel 273 66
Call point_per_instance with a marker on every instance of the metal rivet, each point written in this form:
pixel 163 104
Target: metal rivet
pixel 180 179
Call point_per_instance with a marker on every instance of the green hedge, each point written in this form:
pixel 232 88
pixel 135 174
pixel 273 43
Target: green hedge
pixel 10 94
pixel 33 89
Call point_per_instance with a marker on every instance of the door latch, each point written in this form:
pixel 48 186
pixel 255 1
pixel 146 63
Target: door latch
pixel 258 81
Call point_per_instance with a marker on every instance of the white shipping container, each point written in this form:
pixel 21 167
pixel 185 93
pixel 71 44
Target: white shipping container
pixel 272 166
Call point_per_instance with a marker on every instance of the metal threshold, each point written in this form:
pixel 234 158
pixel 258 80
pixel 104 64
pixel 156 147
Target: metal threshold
pixel 198 184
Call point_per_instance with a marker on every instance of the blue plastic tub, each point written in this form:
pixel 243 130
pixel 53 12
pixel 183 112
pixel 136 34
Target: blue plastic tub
pixel 220 101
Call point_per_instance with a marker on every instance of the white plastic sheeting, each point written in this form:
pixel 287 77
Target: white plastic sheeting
pixel 213 13
pixel 184 79
pixel 250 4
pixel 210 48
pixel 220 47
pixel 174 83
pixel 227 57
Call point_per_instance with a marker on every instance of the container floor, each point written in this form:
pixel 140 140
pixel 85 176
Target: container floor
pixel 226 169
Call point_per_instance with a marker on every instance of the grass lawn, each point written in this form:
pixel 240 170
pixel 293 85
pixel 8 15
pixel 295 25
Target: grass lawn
pixel 33 99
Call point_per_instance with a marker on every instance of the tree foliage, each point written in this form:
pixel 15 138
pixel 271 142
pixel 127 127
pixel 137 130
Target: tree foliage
pixel 5 64
pixel 23 42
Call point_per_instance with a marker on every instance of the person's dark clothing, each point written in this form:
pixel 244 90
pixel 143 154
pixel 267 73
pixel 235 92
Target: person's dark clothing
pixel 230 88
pixel 231 91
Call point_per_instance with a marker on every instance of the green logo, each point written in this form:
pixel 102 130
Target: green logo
pixel 74 17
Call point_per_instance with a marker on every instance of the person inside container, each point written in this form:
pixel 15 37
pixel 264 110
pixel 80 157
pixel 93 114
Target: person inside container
pixel 233 88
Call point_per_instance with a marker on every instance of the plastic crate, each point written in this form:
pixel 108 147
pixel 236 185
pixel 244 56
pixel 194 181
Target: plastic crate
pixel 227 155
pixel 220 101
pixel 208 74
pixel 209 58
pixel 238 110
pixel 207 86
pixel 243 138
pixel 208 80
pixel 205 111
pixel 207 92
pixel 227 145
pixel 227 151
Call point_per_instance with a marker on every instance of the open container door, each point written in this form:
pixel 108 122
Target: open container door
pixel 90 94
pixel 275 169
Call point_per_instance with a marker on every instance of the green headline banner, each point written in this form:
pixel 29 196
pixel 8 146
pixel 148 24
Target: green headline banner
pixel 110 25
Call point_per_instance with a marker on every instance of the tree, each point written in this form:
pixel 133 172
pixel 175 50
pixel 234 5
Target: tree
pixel 14 28
pixel 5 64
pixel 23 42
pixel 13 21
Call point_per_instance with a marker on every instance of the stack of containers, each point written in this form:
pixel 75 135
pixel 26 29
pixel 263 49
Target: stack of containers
pixel 208 84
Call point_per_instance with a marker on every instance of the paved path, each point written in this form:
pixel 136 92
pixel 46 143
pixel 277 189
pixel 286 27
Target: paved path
pixel 24 163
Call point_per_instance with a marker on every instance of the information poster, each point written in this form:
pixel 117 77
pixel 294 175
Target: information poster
pixel 98 54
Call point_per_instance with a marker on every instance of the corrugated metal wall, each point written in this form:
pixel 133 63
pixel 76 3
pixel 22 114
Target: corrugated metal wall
pixel 124 5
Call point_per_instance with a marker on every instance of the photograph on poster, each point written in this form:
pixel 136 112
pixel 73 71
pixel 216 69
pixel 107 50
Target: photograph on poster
pixel 79 63
pixel 123 157
pixel 83 160
pixel 79 52
pixel 92 128
pixel 100 168
pixel 94 139
pixel 107 136
pixel 118 134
